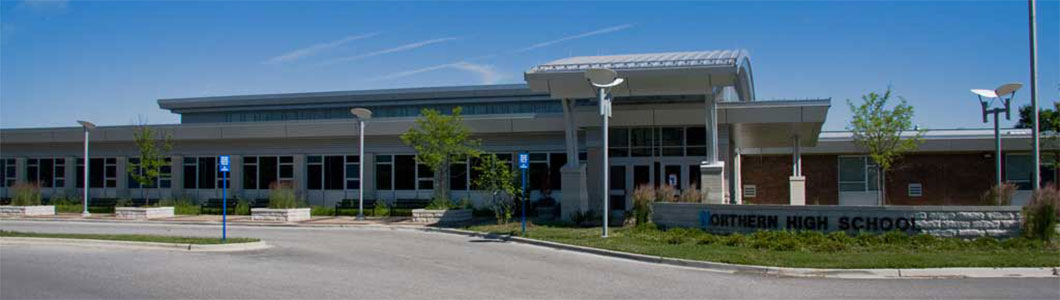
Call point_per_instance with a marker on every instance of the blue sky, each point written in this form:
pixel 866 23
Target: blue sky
pixel 110 61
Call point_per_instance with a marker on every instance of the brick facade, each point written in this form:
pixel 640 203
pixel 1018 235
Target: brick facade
pixel 946 178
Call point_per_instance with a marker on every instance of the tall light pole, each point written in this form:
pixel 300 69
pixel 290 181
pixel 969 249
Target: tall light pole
pixel 360 114
pixel 603 80
pixel 1035 151
pixel 1003 107
pixel 87 126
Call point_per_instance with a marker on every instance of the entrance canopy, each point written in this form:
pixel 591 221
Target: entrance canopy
pixel 653 74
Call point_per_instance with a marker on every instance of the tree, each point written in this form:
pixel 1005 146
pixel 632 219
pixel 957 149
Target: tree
pixel 497 178
pixel 878 130
pixel 153 152
pixel 438 140
pixel 1048 130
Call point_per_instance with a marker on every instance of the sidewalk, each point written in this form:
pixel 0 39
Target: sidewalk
pixel 321 221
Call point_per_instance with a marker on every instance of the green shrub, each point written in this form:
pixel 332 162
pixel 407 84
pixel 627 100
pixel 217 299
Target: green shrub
pixel 317 210
pixel 987 243
pixel 123 202
pixel 65 204
pixel 26 194
pixel 734 240
pixel 440 204
pixel 243 206
pixel 282 195
pixel 895 237
pixel 185 206
pixel 1040 215
pixel 381 209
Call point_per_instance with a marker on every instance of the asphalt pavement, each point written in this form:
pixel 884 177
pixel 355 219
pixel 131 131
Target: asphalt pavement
pixel 379 263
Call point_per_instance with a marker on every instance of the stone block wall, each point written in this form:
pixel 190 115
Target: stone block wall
pixel 943 221
pixel 281 215
pixel 143 213
pixel 25 211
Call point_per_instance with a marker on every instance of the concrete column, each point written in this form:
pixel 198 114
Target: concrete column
pixel 737 176
pixel 122 189
pixel 575 195
pixel 70 173
pixel 368 177
pixel 796 183
pixel 235 175
pixel 177 176
pixel 299 174
pixel 593 180
pixel 20 169
pixel 712 170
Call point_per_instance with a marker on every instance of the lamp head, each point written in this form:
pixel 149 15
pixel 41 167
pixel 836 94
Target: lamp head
pixel 361 113
pixel 87 125
pixel 984 93
pixel 1007 89
pixel 603 78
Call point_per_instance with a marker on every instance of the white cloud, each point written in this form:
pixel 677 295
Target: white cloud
pixel 577 36
pixel 488 74
pixel 405 47
pixel 317 48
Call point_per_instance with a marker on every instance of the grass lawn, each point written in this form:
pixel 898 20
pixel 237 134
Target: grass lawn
pixel 128 237
pixel 807 250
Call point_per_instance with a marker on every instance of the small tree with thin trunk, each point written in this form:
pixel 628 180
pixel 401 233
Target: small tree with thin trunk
pixel 440 139
pixel 154 148
pixel 879 131
pixel 497 178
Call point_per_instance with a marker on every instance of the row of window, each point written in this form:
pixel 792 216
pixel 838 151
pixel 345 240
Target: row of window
pixel 496 108
pixel 657 141
pixel 858 173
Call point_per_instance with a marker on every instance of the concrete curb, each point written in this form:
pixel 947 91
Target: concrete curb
pixel 235 247
pixel 777 271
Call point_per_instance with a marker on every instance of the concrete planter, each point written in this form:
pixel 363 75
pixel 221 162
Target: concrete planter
pixel 432 216
pixel 143 213
pixel 26 211
pixel 279 214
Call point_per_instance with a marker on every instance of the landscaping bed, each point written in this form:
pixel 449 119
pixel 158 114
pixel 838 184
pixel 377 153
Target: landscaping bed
pixel 130 238
pixel 802 249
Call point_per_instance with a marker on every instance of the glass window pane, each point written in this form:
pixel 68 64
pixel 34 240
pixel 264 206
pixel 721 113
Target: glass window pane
pixel 641 137
pixel 382 177
pixel 672 136
pixel 851 187
pixel 383 158
pixel 207 175
pixel 286 159
pixel 267 166
pixel 333 176
pixel 1018 167
pixel 250 177
pixel 852 169
pixel 618 137
pixel 352 171
pixel 314 181
pixel 404 172
pixel 458 177
pixel 696 136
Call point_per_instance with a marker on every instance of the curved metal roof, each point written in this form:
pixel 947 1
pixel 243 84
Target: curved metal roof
pixel 644 61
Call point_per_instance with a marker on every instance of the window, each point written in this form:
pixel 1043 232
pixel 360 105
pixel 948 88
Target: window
pixel 618 142
pixel 696 141
pixel 102 172
pixel 424 177
pixel 916 190
pixel 201 172
pixel 260 172
pixel 672 141
pixel 641 141
pixel 164 179
pixel 384 172
pixel 404 172
pixel 332 172
pixel 8 171
pixel 1018 170
pixel 47 172
pixel 538 172
pixel 556 161
pixel 657 141
pixel 857 174
pixel 458 175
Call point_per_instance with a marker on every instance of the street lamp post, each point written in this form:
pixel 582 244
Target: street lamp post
pixel 87 126
pixel 603 80
pixel 360 114
pixel 1000 94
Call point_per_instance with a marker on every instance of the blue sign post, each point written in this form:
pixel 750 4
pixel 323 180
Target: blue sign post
pixel 223 166
pixel 524 164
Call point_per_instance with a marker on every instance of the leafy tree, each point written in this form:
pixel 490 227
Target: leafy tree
pixel 440 139
pixel 878 130
pixel 153 148
pixel 497 178
pixel 1049 130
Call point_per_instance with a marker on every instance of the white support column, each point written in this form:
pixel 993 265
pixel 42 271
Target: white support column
pixel 70 174
pixel 176 188
pixel 712 178
pixel 122 189
pixel 796 183
pixel 235 175
pixel 575 194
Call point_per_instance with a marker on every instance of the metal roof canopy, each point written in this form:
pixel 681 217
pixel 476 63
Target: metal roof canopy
pixel 653 74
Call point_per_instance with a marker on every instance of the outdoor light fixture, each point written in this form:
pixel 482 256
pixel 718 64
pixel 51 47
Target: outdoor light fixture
pixel 87 126
pixel 360 114
pixel 1004 95
pixel 603 80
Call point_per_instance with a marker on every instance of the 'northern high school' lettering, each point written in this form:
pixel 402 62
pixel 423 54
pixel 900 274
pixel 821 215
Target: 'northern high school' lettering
pixel 754 221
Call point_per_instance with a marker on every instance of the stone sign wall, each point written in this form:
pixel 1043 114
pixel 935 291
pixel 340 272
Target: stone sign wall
pixel 945 221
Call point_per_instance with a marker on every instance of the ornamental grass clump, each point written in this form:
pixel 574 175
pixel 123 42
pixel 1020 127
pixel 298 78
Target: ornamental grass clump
pixel 26 194
pixel 282 196
pixel 665 193
pixel 1041 214
pixel 690 195
pixel 643 196
pixel 990 198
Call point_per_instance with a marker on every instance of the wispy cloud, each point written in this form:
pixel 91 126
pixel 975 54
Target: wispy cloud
pixel 314 49
pixel 405 47
pixel 575 37
pixel 488 74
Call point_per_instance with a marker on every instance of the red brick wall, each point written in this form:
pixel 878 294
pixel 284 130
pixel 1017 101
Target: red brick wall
pixel 947 179
pixel 769 173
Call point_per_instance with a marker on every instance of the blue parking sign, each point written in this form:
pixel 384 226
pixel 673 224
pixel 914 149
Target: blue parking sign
pixel 224 163
pixel 524 160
